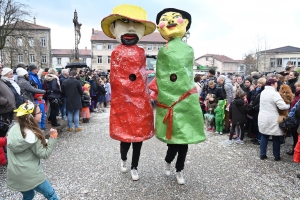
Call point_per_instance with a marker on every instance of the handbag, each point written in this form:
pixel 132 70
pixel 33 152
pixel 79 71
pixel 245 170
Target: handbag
pixel 4 124
pixel 289 123
pixel 250 109
pixel 55 102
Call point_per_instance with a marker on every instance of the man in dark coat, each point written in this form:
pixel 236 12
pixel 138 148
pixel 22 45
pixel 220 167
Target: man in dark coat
pixel 72 90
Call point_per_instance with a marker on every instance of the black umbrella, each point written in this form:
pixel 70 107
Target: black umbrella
pixel 76 65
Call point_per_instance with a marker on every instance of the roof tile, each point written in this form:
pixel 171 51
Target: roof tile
pixel 30 26
pixel 221 58
pixel 285 49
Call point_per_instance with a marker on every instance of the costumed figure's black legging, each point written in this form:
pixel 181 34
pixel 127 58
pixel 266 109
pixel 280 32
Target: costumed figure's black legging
pixel 136 150
pixel 173 149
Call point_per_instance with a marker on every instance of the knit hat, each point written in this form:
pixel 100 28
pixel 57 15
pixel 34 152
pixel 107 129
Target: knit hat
pixel 37 95
pixel 5 71
pixel 25 109
pixel 271 81
pixel 21 72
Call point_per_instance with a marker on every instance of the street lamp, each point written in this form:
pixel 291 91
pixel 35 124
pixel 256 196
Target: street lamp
pixel 26 51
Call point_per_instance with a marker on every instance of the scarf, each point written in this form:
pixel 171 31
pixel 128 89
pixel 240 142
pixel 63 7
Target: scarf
pixel 13 83
pixel 292 111
pixel 52 76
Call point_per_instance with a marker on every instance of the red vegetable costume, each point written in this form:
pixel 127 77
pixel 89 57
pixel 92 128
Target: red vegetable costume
pixel 131 114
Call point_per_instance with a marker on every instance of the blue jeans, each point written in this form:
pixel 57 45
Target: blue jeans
pixel 76 118
pixel 264 144
pixel 63 108
pixel 44 188
pixel 43 121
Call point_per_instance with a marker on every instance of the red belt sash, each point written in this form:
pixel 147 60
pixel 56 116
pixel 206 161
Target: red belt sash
pixel 169 115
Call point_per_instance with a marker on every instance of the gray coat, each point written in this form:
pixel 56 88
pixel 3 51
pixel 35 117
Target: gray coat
pixel 229 90
pixel 28 90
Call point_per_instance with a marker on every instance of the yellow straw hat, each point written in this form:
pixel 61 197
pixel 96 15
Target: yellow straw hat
pixel 25 109
pixel 132 12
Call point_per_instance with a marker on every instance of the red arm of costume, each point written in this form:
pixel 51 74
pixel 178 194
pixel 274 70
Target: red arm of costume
pixel 153 86
pixel 2 142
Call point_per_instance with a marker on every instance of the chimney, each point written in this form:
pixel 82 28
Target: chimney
pixel 34 20
pixel 93 31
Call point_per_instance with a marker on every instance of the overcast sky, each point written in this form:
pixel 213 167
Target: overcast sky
pixel 225 27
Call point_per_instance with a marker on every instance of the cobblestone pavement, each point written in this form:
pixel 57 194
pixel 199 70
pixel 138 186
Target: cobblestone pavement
pixel 85 165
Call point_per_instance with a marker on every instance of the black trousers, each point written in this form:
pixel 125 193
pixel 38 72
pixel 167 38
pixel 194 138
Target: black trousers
pixel 173 149
pixel 54 110
pixel 136 151
pixel 7 117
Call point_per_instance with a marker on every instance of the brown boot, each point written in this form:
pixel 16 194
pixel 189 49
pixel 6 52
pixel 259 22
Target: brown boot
pixel 78 129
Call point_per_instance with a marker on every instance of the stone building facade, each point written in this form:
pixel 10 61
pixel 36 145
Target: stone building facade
pixel 30 44
pixel 61 57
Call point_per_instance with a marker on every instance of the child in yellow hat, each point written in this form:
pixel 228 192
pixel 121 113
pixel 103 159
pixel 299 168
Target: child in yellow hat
pixel 26 145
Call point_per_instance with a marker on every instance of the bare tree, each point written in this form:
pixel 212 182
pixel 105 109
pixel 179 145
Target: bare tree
pixel 250 63
pixel 262 56
pixel 11 14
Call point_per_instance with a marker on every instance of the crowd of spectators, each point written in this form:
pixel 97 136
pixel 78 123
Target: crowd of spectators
pixel 252 104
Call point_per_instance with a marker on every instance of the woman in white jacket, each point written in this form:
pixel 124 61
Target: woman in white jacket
pixel 268 115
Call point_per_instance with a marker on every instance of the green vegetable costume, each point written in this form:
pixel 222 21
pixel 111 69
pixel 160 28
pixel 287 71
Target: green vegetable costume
pixel 220 115
pixel 178 108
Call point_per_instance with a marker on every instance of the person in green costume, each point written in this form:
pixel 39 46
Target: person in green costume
pixel 179 119
pixel 219 116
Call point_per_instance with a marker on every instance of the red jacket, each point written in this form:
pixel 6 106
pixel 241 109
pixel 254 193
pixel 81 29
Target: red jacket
pixel 295 100
pixel 2 154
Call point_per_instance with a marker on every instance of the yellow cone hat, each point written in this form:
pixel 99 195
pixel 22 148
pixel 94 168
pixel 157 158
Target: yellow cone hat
pixel 132 12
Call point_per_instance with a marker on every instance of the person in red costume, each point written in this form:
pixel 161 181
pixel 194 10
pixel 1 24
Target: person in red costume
pixel 131 114
pixel 3 142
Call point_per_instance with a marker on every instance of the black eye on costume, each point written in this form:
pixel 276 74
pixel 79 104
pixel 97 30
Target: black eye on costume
pixel 125 20
pixel 132 77
pixel 173 77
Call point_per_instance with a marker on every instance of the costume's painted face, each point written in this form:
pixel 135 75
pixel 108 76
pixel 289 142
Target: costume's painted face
pixel 172 25
pixel 126 31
